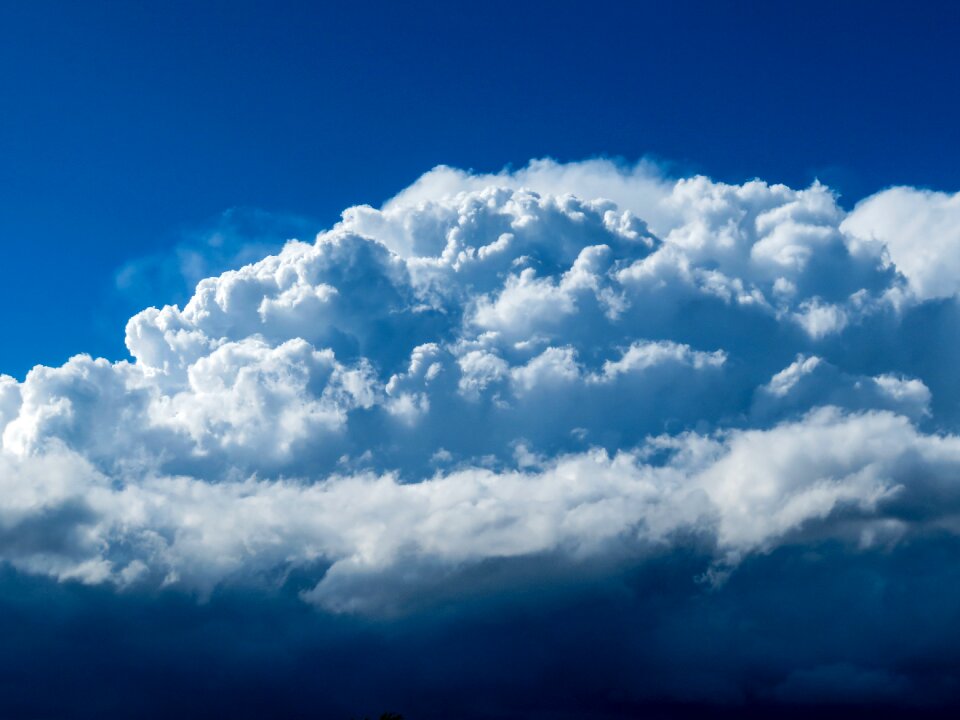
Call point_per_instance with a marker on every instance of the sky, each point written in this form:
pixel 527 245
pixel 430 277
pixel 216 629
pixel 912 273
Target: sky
pixel 518 360
pixel 128 128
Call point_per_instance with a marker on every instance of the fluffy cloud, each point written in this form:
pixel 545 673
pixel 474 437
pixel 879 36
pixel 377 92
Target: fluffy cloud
pixel 585 361
pixel 921 231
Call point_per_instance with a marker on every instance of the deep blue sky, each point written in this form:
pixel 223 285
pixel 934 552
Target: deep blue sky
pixel 125 127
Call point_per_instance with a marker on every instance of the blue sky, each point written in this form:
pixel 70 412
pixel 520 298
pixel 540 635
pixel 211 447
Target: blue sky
pixel 612 373
pixel 128 125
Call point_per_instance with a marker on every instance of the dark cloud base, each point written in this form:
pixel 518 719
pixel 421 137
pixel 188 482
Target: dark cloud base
pixel 801 631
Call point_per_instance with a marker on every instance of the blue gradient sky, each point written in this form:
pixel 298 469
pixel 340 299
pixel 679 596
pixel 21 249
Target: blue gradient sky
pixel 127 127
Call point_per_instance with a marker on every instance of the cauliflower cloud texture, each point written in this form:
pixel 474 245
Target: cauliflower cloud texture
pixel 585 361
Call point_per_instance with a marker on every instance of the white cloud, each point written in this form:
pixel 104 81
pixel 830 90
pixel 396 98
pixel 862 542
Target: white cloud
pixel 921 231
pixel 639 188
pixel 820 319
pixel 752 488
pixel 643 355
pixel 811 381
pixel 528 337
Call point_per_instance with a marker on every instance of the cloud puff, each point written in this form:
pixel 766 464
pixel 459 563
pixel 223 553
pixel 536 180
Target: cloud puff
pixel 920 230
pixel 585 361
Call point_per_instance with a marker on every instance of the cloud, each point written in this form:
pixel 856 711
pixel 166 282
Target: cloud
pixel 920 230
pixel 639 188
pixel 589 362
pixel 810 381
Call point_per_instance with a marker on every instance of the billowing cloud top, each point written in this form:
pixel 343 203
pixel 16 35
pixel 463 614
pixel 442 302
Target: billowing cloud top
pixel 587 361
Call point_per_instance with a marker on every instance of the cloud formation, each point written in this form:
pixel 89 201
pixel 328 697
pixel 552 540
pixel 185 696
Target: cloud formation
pixel 587 362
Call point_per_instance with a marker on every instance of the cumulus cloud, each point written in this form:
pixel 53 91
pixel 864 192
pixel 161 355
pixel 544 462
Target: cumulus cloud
pixel 750 489
pixel 584 360
pixel 810 381
pixel 920 230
